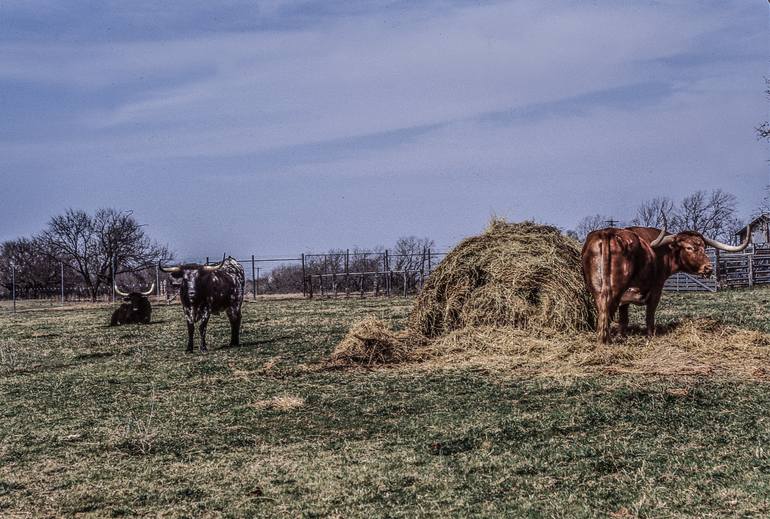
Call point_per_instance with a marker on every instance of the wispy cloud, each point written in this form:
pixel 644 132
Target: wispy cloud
pixel 532 103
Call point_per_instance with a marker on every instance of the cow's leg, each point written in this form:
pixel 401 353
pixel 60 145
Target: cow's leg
pixel 652 305
pixel 623 319
pixel 204 321
pixel 190 329
pixel 190 334
pixel 234 315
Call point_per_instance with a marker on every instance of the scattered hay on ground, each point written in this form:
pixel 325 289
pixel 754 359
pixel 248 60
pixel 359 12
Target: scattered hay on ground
pixel 701 347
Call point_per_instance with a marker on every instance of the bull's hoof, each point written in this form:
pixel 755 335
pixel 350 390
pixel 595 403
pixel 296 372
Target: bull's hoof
pixel 204 349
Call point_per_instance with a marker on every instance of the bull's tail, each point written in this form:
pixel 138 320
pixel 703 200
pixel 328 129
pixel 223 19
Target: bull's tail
pixel 604 302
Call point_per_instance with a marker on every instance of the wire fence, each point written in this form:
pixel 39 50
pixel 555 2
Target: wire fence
pixel 342 273
pixel 334 274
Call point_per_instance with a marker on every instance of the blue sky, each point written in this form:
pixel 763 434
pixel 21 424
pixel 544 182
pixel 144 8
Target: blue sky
pixel 278 127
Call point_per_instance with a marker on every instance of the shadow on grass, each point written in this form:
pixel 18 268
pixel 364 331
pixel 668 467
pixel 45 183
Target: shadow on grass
pixel 255 343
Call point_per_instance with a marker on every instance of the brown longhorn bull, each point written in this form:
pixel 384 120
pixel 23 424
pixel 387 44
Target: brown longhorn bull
pixel 630 266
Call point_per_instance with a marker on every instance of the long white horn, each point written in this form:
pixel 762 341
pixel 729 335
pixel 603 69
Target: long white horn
pixel 731 248
pixel 661 239
pixel 218 266
pixel 117 291
pixel 152 287
pixel 169 270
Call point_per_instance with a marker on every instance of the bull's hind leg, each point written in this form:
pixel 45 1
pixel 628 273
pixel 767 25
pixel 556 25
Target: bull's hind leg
pixel 234 315
pixel 623 320
pixel 652 305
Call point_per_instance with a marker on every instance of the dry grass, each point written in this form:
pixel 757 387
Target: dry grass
pixel 279 403
pixel 89 430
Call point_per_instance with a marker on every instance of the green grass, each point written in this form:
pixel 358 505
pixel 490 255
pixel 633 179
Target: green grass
pixel 121 422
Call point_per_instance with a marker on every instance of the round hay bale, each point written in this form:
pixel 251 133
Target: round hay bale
pixel 521 275
pixel 368 343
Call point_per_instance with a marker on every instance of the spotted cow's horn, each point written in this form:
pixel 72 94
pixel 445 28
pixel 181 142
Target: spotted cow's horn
pixel 218 266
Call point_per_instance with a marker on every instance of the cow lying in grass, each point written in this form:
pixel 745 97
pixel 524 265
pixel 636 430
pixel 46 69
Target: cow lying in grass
pixel 135 310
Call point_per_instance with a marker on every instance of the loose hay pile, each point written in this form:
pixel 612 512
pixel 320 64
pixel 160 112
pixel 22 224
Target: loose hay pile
pixel 370 343
pixel 523 275
pixel 519 275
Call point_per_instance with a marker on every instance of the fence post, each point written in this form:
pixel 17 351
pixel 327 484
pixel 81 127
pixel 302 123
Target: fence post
pixel 112 268
pixel 304 277
pixel 422 268
pixel 388 273
pixel 404 282
pixel 253 279
pixel 750 269
pixel 61 265
pixel 13 285
pixel 157 284
pixel 347 272
pixel 256 287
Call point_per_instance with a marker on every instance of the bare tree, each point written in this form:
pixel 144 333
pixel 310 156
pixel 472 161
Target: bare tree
pixel 711 214
pixel 651 212
pixel 101 246
pixel 35 272
pixel 764 205
pixel 763 130
pixel 411 252
pixel 591 223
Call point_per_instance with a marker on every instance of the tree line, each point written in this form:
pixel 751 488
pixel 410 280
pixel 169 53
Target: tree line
pixel 711 213
pixel 86 250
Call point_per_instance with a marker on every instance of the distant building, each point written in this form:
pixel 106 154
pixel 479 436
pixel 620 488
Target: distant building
pixel 760 231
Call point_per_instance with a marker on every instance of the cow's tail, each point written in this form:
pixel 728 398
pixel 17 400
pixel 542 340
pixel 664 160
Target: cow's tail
pixel 605 292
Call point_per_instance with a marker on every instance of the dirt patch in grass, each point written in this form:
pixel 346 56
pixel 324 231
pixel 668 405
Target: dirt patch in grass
pixel 279 403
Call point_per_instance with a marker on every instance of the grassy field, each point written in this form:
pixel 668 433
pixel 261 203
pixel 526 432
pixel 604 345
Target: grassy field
pixel 121 422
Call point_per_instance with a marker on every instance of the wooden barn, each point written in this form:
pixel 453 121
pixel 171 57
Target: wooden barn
pixel 760 230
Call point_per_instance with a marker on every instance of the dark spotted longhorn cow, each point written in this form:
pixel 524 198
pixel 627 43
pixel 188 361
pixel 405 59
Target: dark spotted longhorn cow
pixel 136 308
pixel 630 266
pixel 206 290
